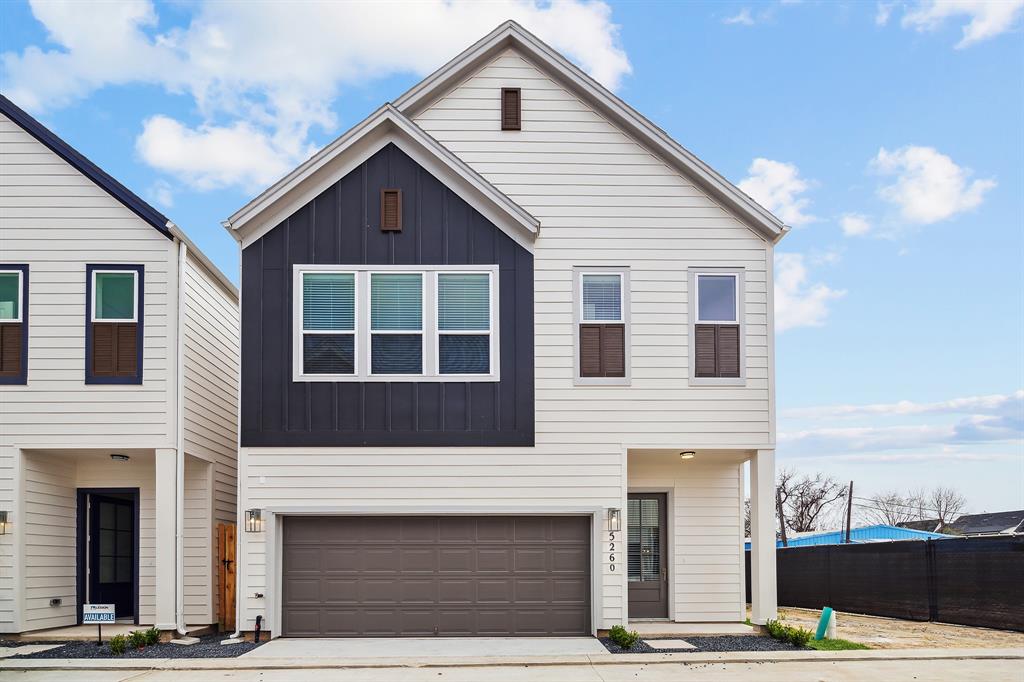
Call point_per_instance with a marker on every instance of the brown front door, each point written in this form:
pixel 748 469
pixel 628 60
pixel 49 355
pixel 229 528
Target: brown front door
pixel 647 536
pixel 416 576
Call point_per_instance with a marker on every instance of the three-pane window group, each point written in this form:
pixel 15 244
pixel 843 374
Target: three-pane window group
pixel 427 323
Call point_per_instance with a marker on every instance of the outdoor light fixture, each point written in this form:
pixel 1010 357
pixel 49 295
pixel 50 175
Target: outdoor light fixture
pixel 119 457
pixel 687 454
pixel 253 520
pixel 3 522
pixel 614 520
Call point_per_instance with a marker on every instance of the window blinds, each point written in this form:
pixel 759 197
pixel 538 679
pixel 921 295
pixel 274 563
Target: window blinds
pixel 602 298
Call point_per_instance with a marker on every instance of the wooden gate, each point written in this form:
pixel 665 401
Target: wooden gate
pixel 226 576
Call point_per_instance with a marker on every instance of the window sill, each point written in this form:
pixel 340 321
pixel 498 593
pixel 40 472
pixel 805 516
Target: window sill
pixel 718 381
pixel 601 381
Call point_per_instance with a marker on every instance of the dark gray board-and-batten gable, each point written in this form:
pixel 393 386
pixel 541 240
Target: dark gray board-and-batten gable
pixel 342 226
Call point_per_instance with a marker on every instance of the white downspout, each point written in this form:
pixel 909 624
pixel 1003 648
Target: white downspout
pixel 239 523
pixel 179 484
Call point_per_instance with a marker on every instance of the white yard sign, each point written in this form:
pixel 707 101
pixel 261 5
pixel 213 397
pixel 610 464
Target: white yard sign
pixel 97 613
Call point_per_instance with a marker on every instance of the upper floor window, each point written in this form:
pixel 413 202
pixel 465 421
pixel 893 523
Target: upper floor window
pixel 602 334
pixel 716 328
pixel 13 324
pixel 113 332
pixel 387 323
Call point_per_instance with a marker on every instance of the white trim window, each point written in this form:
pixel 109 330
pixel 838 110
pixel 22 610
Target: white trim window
pixel 395 323
pixel 601 325
pixel 717 334
pixel 115 296
pixel 11 295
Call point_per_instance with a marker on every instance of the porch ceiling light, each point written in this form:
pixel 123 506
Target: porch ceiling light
pixel 4 522
pixel 253 520
pixel 614 520
pixel 687 454
pixel 117 457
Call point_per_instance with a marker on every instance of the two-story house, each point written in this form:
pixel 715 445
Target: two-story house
pixel 118 397
pixel 506 348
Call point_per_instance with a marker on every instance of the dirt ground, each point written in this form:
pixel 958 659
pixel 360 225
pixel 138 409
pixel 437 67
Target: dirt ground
pixel 890 633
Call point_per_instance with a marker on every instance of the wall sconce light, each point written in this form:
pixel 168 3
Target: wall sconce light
pixel 4 522
pixel 615 520
pixel 687 454
pixel 253 520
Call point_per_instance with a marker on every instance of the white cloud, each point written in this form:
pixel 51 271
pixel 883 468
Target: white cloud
pixel 855 224
pixel 986 18
pixel 883 13
pixel 742 17
pixel 270 91
pixel 929 186
pixel 799 302
pixel 777 186
pixel 162 193
pixel 996 404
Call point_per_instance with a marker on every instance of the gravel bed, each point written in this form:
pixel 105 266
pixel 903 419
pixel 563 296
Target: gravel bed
pixel 704 644
pixel 207 647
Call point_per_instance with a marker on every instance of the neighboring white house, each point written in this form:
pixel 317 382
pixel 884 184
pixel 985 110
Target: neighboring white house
pixel 506 348
pixel 118 397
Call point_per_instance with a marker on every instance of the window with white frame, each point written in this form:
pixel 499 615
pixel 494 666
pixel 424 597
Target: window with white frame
pixel 602 339
pixel 716 337
pixel 391 323
pixel 115 295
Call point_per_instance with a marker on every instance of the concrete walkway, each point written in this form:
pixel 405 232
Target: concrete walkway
pixel 969 670
pixel 426 648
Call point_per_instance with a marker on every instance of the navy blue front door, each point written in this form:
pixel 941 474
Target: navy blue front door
pixel 112 553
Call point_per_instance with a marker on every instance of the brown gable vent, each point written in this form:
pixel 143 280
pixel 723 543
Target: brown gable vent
pixel 511 109
pixel 391 210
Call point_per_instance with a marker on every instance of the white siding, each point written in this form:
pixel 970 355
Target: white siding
pixel 198 543
pixel 705 533
pixel 602 199
pixel 56 220
pixel 211 337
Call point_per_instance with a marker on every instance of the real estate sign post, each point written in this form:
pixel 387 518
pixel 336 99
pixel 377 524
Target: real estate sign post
pixel 99 614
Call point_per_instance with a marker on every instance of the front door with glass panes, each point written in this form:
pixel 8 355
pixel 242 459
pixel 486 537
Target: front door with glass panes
pixel 111 552
pixel 648 567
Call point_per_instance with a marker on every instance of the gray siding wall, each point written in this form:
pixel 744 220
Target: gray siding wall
pixel 341 226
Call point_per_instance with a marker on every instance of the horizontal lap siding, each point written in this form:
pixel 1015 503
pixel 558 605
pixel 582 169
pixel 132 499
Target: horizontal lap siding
pixel 705 563
pixel 56 220
pixel 211 354
pixel 198 544
pixel 604 199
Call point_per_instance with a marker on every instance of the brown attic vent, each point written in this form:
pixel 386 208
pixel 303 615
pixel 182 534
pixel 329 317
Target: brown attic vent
pixel 391 210
pixel 511 109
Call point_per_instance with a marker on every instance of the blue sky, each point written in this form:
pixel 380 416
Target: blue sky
pixel 888 134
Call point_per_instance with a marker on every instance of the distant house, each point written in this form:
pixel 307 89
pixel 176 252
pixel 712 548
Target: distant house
pixel 994 523
pixel 858 536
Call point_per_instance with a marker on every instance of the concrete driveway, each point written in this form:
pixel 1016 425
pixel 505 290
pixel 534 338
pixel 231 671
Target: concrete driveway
pixel 426 648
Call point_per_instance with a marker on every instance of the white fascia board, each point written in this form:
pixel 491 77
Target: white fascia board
pixel 384 126
pixel 511 34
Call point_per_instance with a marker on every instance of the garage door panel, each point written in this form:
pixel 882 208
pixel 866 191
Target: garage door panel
pixel 450 576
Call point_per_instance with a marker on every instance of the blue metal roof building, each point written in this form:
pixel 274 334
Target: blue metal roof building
pixel 878 533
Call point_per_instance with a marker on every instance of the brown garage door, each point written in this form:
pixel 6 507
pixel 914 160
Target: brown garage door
pixel 415 576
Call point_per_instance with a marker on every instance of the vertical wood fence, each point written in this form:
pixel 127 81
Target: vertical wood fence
pixel 226 576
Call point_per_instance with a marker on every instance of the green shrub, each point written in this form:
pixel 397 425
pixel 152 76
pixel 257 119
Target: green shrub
pixel 835 645
pixel 623 637
pixel 152 636
pixel 118 643
pixel 798 637
pixel 137 639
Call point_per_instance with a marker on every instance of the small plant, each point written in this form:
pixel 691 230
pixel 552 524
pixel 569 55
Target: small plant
pixel 798 637
pixel 118 644
pixel 835 645
pixel 623 637
pixel 137 639
pixel 152 636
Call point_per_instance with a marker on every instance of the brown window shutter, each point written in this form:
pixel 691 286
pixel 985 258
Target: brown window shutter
pixel 728 350
pixel 104 343
pixel 511 109
pixel 10 349
pixel 391 210
pixel 126 349
pixel 705 364
pixel 590 350
pixel 613 350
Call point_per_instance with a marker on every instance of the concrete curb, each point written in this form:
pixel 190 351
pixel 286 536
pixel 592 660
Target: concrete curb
pixel 257 663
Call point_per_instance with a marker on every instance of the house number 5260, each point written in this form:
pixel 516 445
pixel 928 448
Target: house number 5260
pixel 611 551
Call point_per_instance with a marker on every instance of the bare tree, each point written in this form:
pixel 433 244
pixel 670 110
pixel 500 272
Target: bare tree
pixel 806 500
pixel 893 508
pixel 946 504
pixel 746 518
